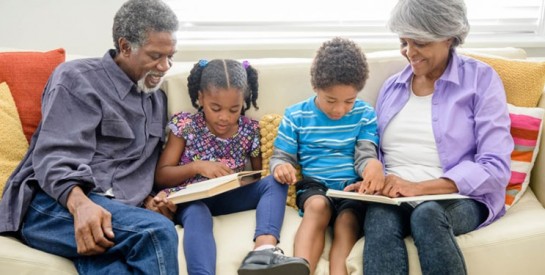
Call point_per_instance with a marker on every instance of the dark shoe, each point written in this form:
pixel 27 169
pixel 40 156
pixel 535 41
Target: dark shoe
pixel 272 262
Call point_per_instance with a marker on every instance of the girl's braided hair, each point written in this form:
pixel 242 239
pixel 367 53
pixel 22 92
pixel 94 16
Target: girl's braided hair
pixel 224 74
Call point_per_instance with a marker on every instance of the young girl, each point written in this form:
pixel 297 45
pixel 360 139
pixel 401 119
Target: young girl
pixel 216 141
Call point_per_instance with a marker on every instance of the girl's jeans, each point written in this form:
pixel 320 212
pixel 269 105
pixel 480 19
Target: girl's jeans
pixel 267 196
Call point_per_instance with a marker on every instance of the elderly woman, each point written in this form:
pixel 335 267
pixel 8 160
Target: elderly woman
pixel 444 128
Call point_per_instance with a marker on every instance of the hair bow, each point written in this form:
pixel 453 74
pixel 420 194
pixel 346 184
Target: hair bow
pixel 203 63
pixel 245 64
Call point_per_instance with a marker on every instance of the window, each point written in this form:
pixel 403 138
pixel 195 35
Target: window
pixel 304 23
pixel 520 22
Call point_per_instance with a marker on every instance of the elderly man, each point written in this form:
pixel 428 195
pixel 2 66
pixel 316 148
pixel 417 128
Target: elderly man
pixel 79 191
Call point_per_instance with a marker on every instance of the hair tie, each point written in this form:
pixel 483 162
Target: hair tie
pixel 245 64
pixel 203 63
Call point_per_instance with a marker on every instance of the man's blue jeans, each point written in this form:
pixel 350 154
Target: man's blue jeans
pixel 267 196
pixel 145 241
pixel 433 226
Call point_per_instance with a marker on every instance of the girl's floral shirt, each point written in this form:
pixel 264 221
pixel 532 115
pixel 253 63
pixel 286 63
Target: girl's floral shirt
pixel 201 144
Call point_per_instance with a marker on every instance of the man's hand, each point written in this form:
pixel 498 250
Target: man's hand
pixel 285 173
pixel 92 224
pixel 161 205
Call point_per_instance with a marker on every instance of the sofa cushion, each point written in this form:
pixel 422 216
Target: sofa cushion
pixel 18 258
pixel 511 245
pixel 523 80
pixel 268 128
pixel 526 126
pixel 26 73
pixel 13 144
pixel 234 233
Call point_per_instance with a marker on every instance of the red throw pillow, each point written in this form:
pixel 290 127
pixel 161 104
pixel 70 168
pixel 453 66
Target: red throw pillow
pixel 26 74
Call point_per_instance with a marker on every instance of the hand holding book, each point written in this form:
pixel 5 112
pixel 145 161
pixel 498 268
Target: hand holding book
pixel 397 190
pixel 213 187
pixel 373 178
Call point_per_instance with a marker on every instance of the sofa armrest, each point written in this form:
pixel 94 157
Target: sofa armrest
pixel 537 181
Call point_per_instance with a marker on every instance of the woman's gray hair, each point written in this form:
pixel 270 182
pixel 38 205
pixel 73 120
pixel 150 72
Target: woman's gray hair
pixel 136 17
pixel 430 20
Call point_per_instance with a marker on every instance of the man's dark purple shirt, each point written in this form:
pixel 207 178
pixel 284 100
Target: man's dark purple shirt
pixel 97 131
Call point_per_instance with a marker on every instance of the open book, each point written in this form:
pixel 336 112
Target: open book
pixel 388 200
pixel 212 187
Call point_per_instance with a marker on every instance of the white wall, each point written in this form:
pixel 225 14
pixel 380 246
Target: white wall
pixel 82 27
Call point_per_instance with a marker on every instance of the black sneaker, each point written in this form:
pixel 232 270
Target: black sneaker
pixel 272 262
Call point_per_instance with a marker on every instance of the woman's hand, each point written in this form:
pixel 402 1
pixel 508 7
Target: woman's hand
pixel 373 178
pixel 161 205
pixel 395 186
pixel 285 173
pixel 213 169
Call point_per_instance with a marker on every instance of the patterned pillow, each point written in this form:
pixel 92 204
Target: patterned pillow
pixel 13 144
pixel 526 125
pixel 268 126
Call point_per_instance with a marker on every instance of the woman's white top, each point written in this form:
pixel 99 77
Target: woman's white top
pixel 408 142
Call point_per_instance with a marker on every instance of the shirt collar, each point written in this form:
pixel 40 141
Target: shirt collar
pixel 451 72
pixel 123 84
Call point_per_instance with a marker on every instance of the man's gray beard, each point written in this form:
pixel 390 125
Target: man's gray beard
pixel 145 89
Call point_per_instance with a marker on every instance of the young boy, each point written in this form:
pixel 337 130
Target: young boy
pixel 333 137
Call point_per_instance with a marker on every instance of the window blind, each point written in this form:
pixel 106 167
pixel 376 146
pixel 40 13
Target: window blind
pixel 279 20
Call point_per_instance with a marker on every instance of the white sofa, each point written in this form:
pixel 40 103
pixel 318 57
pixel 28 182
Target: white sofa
pixel 515 244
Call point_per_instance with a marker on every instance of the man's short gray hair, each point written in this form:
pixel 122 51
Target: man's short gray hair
pixel 430 20
pixel 136 17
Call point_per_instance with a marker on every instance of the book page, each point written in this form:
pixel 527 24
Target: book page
pixel 208 184
pixel 247 177
pixel 431 197
pixel 215 186
pixel 388 200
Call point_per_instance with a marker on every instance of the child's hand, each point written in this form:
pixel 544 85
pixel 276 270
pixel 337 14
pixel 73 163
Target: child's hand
pixel 285 173
pixel 373 178
pixel 161 205
pixel 353 187
pixel 213 169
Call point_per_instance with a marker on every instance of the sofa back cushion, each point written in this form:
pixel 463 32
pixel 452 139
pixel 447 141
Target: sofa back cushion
pixel 286 81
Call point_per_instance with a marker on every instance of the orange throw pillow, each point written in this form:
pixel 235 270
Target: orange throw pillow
pixel 26 74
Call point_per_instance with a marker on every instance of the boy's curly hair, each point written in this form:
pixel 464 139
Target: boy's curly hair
pixel 339 62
